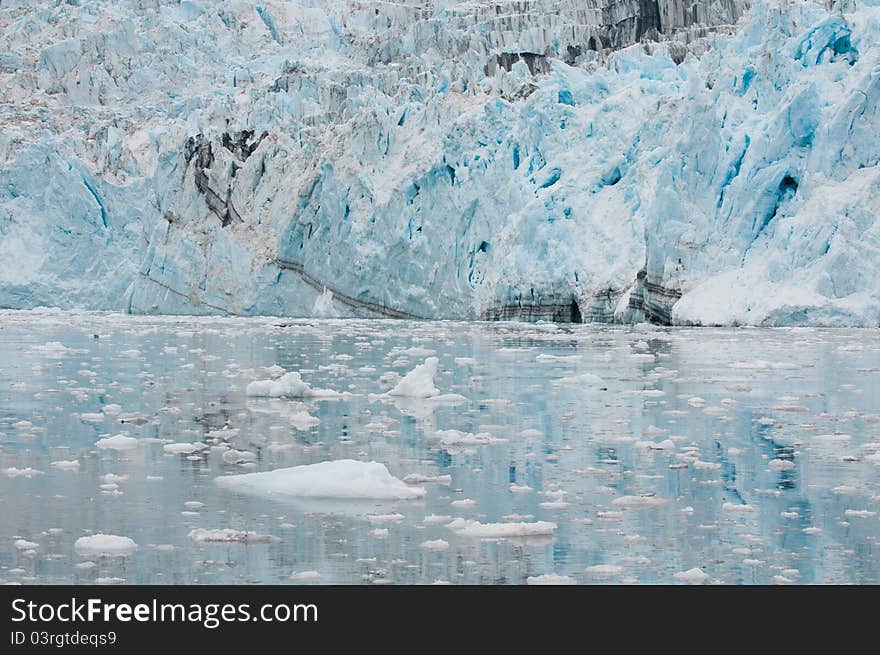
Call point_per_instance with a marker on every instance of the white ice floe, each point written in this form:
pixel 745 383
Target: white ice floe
pixel 860 513
pixel 13 472
pixel 233 456
pixel 567 359
pixel 692 576
pixel 435 545
pixel 396 517
pixel 737 508
pixel 419 382
pixel 203 535
pixel 417 478
pixel 24 544
pixel 550 579
pixel 345 478
pixel 305 575
pixel 459 438
pixel 468 528
pixel 183 448
pixel 638 502
pixel 105 544
pixel 289 385
pixel 65 465
pixel 53 349
pixel 603 570
pixel 585 380
pixel 117 442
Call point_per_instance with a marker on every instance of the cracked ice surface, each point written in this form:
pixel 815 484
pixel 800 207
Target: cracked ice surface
pixel 441 159
pixel 689 456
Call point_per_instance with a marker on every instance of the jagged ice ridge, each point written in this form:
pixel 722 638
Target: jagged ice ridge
pixel 609 160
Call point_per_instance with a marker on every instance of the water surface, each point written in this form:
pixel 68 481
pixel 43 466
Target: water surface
pixel 758 450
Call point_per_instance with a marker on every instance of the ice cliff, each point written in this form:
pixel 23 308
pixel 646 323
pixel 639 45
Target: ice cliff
pixel 703 162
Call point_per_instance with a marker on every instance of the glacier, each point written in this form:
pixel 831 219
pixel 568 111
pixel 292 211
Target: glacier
pixel 691 163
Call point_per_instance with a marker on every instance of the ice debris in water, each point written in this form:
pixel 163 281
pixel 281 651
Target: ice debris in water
pixel 692 576
pixel 289 385
pixel 117 442
pixel 202 535
pixel 550 579
pixel 344 478
pixel 468 528
pixel 105 544
pixel 419 382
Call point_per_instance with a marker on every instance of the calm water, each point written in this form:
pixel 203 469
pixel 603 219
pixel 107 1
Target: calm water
pixel 752 455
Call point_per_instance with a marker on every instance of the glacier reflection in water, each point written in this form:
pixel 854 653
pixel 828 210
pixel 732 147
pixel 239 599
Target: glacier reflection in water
pixel 750 455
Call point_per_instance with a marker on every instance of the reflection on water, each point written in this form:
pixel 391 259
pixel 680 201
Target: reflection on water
pixel 751 455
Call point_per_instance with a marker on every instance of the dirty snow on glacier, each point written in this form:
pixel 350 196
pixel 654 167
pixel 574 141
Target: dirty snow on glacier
pixel 131 452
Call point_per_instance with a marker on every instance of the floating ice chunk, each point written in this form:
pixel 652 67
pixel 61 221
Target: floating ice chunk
pixel 183 448
pixel 105 544
pixel 417 478
pixel 781 465
pixel 736 508
pixel 53 349
pixel 117 442
pixel 202 535
pixel 233 456
pixel 550 579
pixel 581 380
pixel 464 503
pixel 436 519
pixel 604 570
pixel 520 488
pixel 305 575
pixel 691 576
pixel 468 528
pixel 860 513
pixel 28 472
pixel 545 359
pixel 386 518
pixel 345 478
pixel 109 580
pixel 24 544
pixel 289 385
pixel 638 502
pixel 782 580
pixel 435 544
pixel 459 438
pixel 65 465
pixel 465 361
pixel 419 382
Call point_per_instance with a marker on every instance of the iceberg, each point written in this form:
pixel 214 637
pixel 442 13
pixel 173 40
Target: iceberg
pixel 340 479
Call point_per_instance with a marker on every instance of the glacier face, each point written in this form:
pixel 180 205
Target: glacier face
pixel 611 160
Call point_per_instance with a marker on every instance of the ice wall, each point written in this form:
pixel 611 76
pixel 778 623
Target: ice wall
pixel 605 160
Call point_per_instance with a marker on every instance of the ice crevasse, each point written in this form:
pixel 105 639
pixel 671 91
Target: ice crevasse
pixel 607 160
